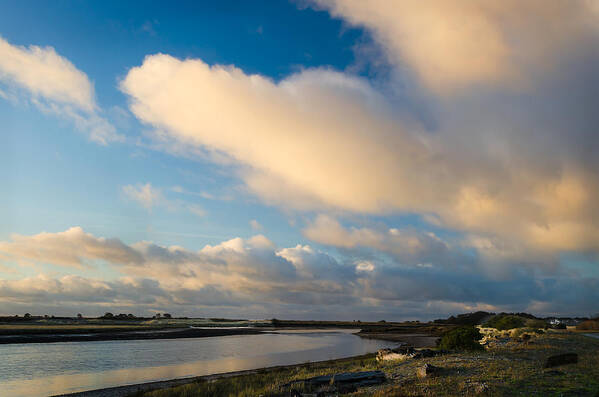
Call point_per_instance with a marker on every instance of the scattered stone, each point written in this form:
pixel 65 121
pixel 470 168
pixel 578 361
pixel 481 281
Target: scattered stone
pixel 561 359
pixel 427 370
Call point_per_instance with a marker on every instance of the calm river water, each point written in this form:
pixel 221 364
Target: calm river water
pixel 43 369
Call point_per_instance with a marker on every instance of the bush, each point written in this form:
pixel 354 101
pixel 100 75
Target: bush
pixel 504 322
pixel 536 323
pixel 462 338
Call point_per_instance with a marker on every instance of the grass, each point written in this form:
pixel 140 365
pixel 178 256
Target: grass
pixel 512 368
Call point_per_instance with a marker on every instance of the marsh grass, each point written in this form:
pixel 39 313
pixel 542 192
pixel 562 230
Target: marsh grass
pixel 512 369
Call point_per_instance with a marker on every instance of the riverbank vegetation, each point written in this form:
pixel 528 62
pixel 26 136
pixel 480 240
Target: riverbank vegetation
pixel 507 367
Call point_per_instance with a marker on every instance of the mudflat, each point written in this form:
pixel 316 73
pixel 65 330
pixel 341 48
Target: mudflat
pixel 56 334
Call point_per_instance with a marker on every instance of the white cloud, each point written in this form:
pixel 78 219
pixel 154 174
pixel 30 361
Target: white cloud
pixel 150 197
pixel 196 209
pixel 146 195
pixel 255 225
pixel 72 247
pixel 451 45
pixel 56 86
pixel 325 140
pixel 365 266
pixel 327 230
pixel 243 275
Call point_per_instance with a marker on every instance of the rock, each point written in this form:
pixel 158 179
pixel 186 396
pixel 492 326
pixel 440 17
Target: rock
pixel 359 379
pixel 427 370
pixel 388 355
pixel 404 353
pixel 404 350
pixel 561 359
pixel 399 353
pixel 426 353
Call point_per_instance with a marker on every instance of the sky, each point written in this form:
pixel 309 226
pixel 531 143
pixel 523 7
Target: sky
pixel 310 159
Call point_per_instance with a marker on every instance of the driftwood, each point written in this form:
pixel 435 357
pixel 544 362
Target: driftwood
pixel 346 381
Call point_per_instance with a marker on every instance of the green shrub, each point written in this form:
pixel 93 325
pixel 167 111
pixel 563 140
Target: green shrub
pixel 536 323
pixel 462 338
pixel 503 322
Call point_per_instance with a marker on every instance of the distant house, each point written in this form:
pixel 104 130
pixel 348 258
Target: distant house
pixel 565 321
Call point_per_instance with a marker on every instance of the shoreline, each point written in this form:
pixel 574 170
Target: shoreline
pixel 509 366
pixel 179 333
pixel 128 390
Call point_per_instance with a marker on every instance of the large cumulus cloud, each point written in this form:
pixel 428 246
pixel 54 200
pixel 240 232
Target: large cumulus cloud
pixel 451 45
pixel 328 140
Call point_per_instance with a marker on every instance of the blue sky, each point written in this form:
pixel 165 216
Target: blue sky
pixel 385 159
pixel 80 180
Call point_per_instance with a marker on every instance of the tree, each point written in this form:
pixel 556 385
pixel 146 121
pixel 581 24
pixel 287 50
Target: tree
pixel 108 315
pixel 79 316
pixel 166 315
pixel 27 315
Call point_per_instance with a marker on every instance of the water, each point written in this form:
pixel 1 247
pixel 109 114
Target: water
pixel 593 335
pixel 39 369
